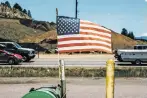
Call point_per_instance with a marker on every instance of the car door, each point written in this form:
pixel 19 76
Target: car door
pixel 3 56
pixel 10 48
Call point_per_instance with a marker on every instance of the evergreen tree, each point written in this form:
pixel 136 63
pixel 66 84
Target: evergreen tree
pixel 124 32
pixel 25 11
pixel 8 4
pixel 131 35
pixel 29 13
pixel 17 6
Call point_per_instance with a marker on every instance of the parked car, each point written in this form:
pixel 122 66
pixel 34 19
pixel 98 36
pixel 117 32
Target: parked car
pixel 13 47
pixel 10 58
pixel 135 56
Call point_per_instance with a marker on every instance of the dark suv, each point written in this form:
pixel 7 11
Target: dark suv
pixel 10 58
pixel 13 47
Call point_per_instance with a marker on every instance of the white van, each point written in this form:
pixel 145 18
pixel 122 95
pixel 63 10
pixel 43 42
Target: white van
pixel 133 56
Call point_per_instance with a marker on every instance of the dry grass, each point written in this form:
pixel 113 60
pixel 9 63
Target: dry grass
pixel 11 29
pixel 71 72
pixel 51 35
pixel 121 42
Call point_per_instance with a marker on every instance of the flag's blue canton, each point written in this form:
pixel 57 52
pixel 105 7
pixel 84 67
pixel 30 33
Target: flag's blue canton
pixel 67 25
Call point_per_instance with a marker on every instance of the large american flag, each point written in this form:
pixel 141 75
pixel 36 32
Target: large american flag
pixel 75 35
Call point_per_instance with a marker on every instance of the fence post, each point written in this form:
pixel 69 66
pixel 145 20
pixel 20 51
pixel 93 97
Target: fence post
pixel 110 78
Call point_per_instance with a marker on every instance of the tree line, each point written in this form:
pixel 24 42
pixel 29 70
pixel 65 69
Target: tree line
pixel 17 6
pixel 128 34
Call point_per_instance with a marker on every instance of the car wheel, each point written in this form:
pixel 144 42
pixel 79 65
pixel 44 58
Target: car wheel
pixel 25 58
pixel 11 61
pixel 138 62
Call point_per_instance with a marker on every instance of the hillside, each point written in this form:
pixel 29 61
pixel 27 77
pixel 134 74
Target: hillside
pixel 12 29
pixel 118 40
pixel 50 35
pixel 14 14
pixel 122 42
pixel 7 12
pixel 15 30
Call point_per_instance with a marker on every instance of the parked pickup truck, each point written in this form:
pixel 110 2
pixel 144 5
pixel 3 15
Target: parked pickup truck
pixel 13 47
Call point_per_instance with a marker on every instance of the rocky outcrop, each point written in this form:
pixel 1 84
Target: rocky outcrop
pixel 12 13
pixel 6 12
pixel 41 25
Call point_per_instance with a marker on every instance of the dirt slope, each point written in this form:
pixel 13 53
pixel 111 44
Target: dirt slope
pixel 118 40
pixel 13 30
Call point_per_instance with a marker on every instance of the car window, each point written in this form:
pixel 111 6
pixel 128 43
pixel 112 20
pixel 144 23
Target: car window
pixel 139 47
pixel 17 45
pixel 10 46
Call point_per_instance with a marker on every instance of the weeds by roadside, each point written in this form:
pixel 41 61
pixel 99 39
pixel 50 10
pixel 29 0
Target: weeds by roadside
pixel 71 72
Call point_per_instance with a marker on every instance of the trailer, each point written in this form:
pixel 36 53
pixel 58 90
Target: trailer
pixel 134 56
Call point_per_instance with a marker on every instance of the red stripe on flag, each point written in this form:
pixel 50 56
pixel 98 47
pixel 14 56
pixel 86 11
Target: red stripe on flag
pixel 83 38
pixel 82 44
pixel 95 29
pixel 88 33
pixel 84 50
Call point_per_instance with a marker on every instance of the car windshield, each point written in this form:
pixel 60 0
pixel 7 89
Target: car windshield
pixel 17 45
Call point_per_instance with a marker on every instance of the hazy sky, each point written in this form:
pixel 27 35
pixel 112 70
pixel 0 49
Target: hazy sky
pixel 114 14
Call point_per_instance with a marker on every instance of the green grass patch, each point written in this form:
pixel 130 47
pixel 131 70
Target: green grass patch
pixel 71 72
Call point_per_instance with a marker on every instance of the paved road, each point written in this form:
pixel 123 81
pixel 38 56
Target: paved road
pixel 71 60
pixel 42 62
pixel 80 87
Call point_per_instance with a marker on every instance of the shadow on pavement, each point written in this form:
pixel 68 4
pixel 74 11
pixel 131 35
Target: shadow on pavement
pixel 29 62
pixel 132 65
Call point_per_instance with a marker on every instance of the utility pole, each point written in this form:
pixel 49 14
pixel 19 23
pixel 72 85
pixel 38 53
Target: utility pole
pixel 76 11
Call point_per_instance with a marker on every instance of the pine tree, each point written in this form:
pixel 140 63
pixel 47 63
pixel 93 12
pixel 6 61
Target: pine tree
pixel 8 4
pixel 131 35
pixel 124 32
pixel 25 11
pixel 17 6
pixel 29 13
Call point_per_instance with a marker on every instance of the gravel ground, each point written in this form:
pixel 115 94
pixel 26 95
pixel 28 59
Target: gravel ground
pixel 76 87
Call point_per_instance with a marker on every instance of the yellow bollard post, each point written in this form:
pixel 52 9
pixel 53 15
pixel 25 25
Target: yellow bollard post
pixel 110 78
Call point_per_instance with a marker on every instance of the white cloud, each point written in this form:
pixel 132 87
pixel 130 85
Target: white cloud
pixel 140 34
pixel 144 34
pixel 145 0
